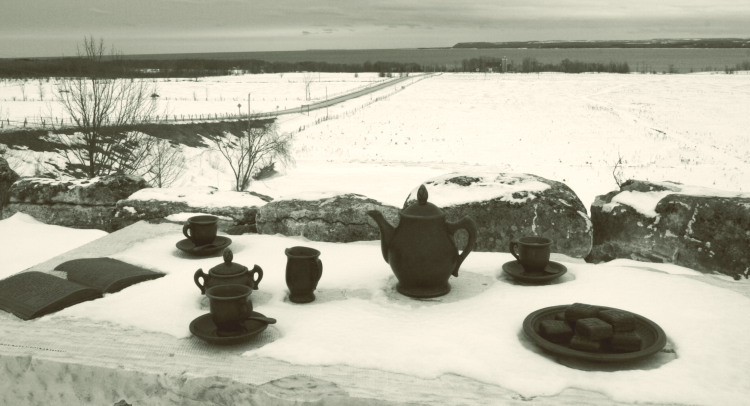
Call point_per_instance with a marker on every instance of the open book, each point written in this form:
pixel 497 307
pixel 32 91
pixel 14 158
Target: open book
pixel 29 295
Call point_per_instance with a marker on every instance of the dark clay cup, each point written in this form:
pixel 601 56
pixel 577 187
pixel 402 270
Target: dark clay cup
pixel 201 230
pixel 532 252
pixel 229 306
pixel 303 271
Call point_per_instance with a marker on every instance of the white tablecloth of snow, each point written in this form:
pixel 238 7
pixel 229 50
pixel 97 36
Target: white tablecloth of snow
pixel 25 241
pixel 358 320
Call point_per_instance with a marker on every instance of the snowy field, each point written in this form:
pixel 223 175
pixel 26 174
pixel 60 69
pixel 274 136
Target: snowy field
pixel 570 128
pixel 184 98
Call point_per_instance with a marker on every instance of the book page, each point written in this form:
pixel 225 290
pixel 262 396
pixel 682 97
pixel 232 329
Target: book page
pixel 32 294
pixel 109 275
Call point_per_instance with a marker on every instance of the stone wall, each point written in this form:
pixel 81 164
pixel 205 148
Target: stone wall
pixel 87 203
pixel 7 177
pixel 705 230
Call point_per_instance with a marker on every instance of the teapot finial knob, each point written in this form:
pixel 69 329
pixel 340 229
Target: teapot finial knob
pixel 422 195
pixel 228 256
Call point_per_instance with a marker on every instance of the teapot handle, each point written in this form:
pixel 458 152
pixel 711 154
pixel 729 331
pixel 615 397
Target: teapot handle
pixel 470 226
pixel 198 274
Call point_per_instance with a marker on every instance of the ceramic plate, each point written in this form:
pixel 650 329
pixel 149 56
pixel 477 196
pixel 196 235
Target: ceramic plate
pixel 204 328
pixel 652 336
pixel 553 271
pixel 188 246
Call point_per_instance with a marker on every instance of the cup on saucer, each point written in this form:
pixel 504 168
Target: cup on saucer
pixel 532 252
pixel 201 230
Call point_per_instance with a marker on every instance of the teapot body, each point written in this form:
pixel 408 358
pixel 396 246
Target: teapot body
pixel 423 256
pixel 421 250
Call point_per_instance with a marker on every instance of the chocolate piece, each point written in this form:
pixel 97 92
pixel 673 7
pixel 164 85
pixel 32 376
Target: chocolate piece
pixel 578 311
pixel 620 320
pixel 556 331
pixel 584 344
pixel 594 329
pixel 628 341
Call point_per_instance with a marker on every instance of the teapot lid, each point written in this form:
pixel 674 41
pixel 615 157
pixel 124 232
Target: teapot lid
pixel 228 268
pixel 422 208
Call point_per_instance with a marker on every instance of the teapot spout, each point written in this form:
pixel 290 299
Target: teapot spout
pixel 386 231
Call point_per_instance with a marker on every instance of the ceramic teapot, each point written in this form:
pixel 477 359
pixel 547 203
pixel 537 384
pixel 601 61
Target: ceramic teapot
pixel 228 273
pixel 421 250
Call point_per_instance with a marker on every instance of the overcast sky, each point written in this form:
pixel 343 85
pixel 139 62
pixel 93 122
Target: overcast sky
pixel 54 27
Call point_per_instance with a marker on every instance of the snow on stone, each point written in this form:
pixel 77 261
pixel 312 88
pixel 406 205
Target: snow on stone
pixel 488 186
pixel 199 196
pixel 645 202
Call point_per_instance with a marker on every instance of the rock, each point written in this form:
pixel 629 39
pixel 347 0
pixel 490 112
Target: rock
pixel 81 203
pixel 702 229
pixel 7 177
pixel 236 210
pixel 507 206
pixel 340 218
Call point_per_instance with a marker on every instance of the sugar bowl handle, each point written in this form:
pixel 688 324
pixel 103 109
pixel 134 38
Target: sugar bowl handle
pixel 256 274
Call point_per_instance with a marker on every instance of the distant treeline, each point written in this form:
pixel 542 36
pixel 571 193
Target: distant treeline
pixel 190 68
pixel 653 43
pixel 184 68
pixel 531 65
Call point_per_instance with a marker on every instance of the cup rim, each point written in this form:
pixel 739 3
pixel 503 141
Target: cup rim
pixel 301 252
pixel 203 219
pixel 534 240
pixel 245 291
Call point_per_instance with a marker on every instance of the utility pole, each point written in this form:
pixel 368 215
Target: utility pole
pixel 248 109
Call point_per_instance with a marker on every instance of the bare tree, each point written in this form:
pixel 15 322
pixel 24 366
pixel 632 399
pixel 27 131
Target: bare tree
pixel 95 101
pixel 308 78
pixel 166 164
pixel 617 170
pixel 248 149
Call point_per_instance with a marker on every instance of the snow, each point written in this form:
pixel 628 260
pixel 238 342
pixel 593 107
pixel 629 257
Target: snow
pixel 25 242
pixel 645 202
pixel 475 332
pixel 570 128
pixel 199 196
pixel 488 186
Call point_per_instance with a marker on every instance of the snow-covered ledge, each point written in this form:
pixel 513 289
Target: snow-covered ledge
pixel 699 228
pixel 236 210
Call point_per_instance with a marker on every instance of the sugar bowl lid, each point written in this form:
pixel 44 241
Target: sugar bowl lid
pixel 422 208
pixel 227 267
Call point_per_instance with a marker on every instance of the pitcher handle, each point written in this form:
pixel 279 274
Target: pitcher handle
pixel 200 274
pixel 256 271
pixel 317 275
pixel 470 226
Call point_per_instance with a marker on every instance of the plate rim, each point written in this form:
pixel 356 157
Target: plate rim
pixel 520 278
pixel 560 350
pixel 229 339
pixel 192 251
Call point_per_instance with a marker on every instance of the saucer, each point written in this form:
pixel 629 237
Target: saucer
pixel 202 250
pixel 204 328
pixel 552 271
